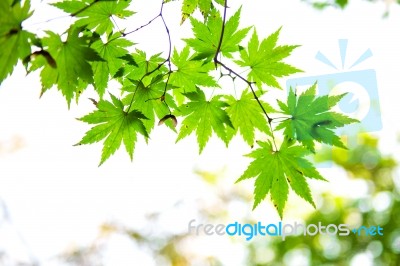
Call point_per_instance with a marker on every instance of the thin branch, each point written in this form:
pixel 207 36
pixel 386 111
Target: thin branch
pixel 169 54
pixel 167 60
pixel 231 71
pixel 123 34
pixel 222 35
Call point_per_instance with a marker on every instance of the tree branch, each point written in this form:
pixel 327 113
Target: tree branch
pixel 222 34
pixel 123 34
pixel 169 54
pixel 167 60
pixel 248 82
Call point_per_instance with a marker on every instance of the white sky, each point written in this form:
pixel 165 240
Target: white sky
pixel 58 196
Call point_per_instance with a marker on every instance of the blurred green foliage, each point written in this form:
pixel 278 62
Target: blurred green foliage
pixel 380 205
pixel 342 4
pixel 325 4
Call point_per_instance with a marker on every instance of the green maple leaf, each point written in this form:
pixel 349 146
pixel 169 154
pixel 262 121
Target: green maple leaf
pixel 189 6
pixel 147 97
pixel 275 171
pixel 341 3
pixel 96 15
pixel 204 117
pixel 207 35
pixel 112 52
pixel 311 119
pixel 265 60
pixel 73 58
pixel 14 41
pixel 221 2
pixel 115 126
pixel 145 83
pixel 247 116
pixel 191 73
pixel 141 68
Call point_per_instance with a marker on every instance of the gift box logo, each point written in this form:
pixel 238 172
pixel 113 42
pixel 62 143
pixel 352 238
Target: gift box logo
pixel 362 99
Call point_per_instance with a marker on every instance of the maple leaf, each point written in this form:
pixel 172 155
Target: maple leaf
pixel 189 6
pixel 140 67
pixel 247 116
pixel 204 117
pixel 342 3
pixel 73 58
pixel 207 35
pixel 147 97
pixel 311 119
pixel 113 52
pixel 96 15
pixel 144 80
pixel 14 41
pixel 115 126
pixel 265 60
pixel 191 73
pixel 273 171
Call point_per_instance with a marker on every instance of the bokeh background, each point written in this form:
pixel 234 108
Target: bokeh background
pixel 58 208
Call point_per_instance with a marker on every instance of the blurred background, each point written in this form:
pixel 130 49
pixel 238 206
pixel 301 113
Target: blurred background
pixel 58 208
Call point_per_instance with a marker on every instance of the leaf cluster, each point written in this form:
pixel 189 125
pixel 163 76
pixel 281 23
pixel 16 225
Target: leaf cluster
pixel 181 89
